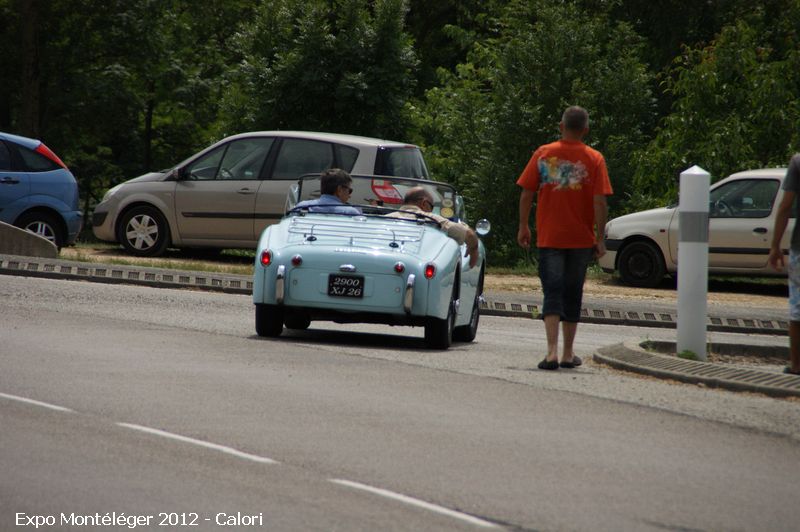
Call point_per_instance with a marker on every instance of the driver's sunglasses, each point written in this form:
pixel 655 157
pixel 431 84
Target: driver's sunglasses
pixel 348 189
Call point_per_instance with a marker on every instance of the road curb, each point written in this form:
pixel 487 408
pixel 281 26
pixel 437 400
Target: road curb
pixel 631 356
pixel 243 284
pixel 136 275
pixel 640 318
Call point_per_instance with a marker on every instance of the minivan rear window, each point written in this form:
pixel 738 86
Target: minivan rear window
pixel 347 156
pixel 401 162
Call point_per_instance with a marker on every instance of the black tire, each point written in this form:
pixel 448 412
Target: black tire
pixel 439 332
pixel 143 231
pixel 467 333
pixel 269 320
pixel 43 224
pixel 641 264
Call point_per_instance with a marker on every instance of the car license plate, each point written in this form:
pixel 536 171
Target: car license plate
pixel 345 285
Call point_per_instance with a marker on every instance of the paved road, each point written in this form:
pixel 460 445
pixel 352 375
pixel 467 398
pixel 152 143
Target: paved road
pixel 172 405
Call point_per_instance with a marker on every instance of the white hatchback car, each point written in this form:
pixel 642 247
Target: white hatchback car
pixel 643 246
pixel 225 195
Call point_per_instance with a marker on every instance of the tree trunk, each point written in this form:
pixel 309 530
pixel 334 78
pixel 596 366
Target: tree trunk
pixel 148 127
pixel 30 79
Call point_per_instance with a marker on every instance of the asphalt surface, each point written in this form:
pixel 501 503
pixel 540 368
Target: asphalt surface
pixel 627 356
pixel 476 428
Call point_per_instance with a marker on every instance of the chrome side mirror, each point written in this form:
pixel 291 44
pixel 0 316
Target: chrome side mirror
pixel 483 226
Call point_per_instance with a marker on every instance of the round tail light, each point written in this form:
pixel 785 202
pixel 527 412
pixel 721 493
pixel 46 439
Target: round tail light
pixel 399 267
pixel 430 271
pixel 297 260
pixel 266 257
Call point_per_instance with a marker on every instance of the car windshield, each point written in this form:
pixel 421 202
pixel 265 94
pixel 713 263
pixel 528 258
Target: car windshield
pixel 382 194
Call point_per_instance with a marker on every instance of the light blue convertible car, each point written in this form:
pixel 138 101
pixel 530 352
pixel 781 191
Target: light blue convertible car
pixel 369 268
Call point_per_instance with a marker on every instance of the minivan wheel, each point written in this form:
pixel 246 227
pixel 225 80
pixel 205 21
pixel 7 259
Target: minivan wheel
pixel 143 231
pixel 641 264
pixel 43 224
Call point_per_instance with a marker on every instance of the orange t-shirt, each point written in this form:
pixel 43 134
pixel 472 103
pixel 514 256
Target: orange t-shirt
pixel 567 174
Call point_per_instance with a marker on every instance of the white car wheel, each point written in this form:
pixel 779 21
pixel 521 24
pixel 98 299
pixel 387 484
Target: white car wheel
pixel 641 264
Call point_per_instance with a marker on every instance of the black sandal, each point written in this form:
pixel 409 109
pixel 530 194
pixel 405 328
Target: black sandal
pixel 548 364
pixel 574 363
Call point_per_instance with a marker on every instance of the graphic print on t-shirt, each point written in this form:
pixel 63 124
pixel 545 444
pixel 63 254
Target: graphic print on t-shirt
pixel 563 174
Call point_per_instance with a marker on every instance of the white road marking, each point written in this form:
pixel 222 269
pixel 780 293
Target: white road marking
pixel 221 448
pixel 416 502
pixel 34 402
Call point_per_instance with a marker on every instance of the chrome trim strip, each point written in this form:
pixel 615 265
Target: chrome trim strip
pixel 279 284
pixel 408 298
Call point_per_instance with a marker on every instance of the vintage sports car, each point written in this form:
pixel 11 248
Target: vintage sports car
pixel 369 267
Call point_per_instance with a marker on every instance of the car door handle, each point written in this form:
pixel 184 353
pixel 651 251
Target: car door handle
pixel 760 230
pixel 245 191
pixel 9 181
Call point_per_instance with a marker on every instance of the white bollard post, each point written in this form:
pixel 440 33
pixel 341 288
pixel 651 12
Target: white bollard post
pixel 693 261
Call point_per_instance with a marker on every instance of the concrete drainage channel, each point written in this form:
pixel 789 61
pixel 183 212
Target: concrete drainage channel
pixel 632 356
pixel 627 356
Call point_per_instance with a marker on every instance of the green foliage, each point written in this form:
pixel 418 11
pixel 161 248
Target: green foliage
pixel 346 67
pixel 736 104
pixel 120 87
pixel 481 125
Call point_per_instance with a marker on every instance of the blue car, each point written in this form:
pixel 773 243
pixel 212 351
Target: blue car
pixel 369 267
pixel 37 190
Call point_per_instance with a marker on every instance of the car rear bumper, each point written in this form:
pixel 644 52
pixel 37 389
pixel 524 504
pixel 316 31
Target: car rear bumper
pixel 74 222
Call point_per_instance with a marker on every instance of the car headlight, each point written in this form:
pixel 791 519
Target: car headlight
pixel 111 192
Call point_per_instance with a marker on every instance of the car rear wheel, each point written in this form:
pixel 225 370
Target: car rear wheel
pixel 439 332
pixel 144 231
pixel 641 264
pixel 269 320
pixel 43 224
pixel 467 333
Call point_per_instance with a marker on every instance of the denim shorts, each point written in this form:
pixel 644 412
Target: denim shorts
pixel 794 285
pixel 562 272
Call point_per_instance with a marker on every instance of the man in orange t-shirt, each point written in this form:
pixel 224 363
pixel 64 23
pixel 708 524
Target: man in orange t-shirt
pixel 570 181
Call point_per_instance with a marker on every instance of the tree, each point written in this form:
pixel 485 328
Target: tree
pixel 736 103
pixel 482 124
pixel 343 65
pixel 118 87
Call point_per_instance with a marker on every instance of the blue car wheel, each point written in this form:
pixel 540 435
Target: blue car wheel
pixel 43 224
pixel 269 320
pixel 439 332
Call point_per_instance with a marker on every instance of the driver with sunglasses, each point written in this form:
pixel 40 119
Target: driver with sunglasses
pixel 336 186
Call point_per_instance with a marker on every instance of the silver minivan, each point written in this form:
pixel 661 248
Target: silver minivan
pixel 224 196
